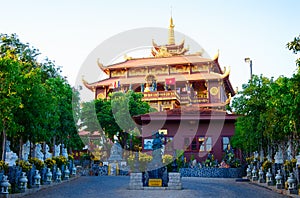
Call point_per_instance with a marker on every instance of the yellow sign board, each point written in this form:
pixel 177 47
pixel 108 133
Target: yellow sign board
pixel 155 182
pixel 164 131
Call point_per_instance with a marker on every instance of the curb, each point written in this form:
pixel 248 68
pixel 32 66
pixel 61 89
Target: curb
pixel 273 188
pixel 34 190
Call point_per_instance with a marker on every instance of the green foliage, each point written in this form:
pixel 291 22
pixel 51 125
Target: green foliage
pixel 210 161
pixel 230 159
pixel 167 161
pixel 39 164
pixel 85 156
pixel 270 111
pixel 290 165
pixel 3 166
pixel 144 160
pixel 70 158
pixel 266 165
pixel 50 163
pixel 25 165
pixel 60 160
pixel 35 100
pixel 295 47
pixel 179 158
pixel 114 117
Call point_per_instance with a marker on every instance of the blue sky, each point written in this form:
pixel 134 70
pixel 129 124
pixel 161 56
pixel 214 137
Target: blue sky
pixel 68 31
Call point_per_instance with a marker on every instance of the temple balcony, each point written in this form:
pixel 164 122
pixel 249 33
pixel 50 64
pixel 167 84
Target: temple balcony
pixel 160 95
pixel 182 98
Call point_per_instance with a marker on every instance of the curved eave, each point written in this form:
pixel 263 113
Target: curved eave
pixel 146 118
pixel 88 85
pixel 104 69
pixel 216 56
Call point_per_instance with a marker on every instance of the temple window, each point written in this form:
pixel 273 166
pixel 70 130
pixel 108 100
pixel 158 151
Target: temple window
pixel 205 143
pixel 194 145
pixel 187 143
pixel 169 143
pixel 225 143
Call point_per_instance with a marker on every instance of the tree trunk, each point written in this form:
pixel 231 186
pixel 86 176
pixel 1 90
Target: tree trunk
pixel 21 149
pixel 33 150
pixel 4 141
pixel 54 143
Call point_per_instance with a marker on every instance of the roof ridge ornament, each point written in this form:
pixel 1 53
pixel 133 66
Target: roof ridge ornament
pixel 216 56
pixel 171 39
pixel 226 72
pixel 101 66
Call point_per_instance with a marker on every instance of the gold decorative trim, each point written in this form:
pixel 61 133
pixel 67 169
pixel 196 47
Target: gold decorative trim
pixel 214 91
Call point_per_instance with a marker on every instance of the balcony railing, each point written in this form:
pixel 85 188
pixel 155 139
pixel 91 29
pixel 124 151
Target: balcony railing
pixel 160 95
pixel 183 98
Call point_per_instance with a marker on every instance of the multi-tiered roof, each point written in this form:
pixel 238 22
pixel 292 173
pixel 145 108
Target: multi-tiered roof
pixel 170 78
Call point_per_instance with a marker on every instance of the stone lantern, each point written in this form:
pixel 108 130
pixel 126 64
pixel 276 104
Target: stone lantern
pixel 49 176
pixel 292 184
pixel 37 178
pixel 248 172
pixel 67 173
pixel 74 170
pixel 58 175
pixel 23 182
pixel 278 179
pixel 254 174
pixel 269 178
pixel 261 176
pixel 4 185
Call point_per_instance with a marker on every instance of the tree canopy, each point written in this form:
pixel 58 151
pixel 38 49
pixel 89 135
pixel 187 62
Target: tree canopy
pixel 113 117
pixel 36 101
pixel 270 112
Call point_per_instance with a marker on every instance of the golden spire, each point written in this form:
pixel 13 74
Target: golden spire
pixel 171 32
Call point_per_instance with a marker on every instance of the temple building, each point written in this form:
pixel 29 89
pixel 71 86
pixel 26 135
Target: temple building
pixel 190 93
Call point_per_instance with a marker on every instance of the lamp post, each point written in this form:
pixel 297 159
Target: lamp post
pixel 248 60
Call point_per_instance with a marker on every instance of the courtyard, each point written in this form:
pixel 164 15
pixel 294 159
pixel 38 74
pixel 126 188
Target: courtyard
pixel 117 186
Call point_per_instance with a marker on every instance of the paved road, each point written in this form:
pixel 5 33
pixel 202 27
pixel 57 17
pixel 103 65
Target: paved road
pixel 116 186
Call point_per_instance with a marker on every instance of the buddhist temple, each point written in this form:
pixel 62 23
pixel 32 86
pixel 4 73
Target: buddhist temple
pixel 185 89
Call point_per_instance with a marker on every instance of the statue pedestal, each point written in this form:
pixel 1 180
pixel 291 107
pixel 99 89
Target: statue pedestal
pixel 174 181
pixel 136 182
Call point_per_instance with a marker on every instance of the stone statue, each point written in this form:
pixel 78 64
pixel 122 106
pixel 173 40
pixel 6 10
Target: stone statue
pixel 26 150
pixel 157 143
pixel 10 156
pixel 289 152
pixel 47 153
pixel 116 153
pixel 57 150
pixel 298 159
pixel 38 152
pixel 157 153
pixel 255 154
pixel 64 151
pixel 278 157
pixel 269 158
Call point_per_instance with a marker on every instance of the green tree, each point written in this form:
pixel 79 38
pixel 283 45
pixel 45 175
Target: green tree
pixel 270 112
pixel 10 85
pixel 36 99
pixel 114 116
pixel 251 104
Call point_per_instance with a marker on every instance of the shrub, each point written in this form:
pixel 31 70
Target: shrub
pixel 70 158
pixel 39 164
pixel 50 163
pixel 144 159
pixel 266 165
pixel 3 166
pixel 60 160
pixel 167 159
pixel 25 165
pixel 290 165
